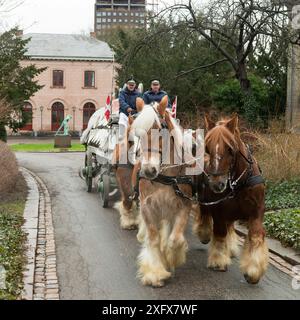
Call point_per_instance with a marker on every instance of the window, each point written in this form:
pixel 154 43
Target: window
pixel 58 78
pixel 109 13
pixel 108 20
pixel 89 79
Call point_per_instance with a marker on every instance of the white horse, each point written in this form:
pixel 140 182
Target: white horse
pixel 164 215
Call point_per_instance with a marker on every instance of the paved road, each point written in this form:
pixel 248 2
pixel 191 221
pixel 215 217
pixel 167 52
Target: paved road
pixel 96 259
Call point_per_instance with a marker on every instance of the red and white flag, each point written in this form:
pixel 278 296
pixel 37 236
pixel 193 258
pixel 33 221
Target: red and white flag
pixel 107 108
pixel 174 108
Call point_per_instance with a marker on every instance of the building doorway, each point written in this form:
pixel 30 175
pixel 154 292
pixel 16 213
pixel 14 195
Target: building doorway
pixel 27 110
pixel 88 110
pixel 57 115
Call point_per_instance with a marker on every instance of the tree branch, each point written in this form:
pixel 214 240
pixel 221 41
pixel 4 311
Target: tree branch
pixel 183 73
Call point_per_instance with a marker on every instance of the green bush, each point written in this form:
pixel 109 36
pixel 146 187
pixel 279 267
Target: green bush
pixel 229 97
pixel 285 226
pixel 283 195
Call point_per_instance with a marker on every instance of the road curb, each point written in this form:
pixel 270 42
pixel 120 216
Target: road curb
pixel 40 275
pixel 290 255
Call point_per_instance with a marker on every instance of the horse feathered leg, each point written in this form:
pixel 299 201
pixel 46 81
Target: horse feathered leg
pixel 177 245
pixel 232 241
pixel 142 230
pixel 128 214
pixel 255 255
pixel 151 262
pixel 223 246
pixel 127 207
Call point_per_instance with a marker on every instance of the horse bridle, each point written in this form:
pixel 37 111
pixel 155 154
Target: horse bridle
pixel 234 184
pixel 173 181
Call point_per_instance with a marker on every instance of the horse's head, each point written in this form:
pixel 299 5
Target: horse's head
pixel 221 146
pixel 147 126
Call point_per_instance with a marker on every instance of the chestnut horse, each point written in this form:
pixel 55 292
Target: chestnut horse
pixel 232 189
pixel 164 214
pixel 128 206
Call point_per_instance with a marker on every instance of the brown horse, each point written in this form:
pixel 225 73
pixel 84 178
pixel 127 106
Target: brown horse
pixel 232 189
pixel 164 214
pixel 127 207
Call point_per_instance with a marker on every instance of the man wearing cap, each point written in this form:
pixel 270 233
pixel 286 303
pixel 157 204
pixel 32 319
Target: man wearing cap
pixel 127 101
pixel 155 94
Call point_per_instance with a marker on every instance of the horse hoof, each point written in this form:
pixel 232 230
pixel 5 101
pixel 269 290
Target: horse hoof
pixel 219 268
pixel 158 284
pixel 130 227
pixel 250 280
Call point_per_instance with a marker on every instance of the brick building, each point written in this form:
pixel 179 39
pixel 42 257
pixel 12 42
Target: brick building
pixel 77 81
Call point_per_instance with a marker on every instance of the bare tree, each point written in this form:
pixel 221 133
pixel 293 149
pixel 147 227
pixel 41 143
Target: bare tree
pixel 7 6
pixel 233 27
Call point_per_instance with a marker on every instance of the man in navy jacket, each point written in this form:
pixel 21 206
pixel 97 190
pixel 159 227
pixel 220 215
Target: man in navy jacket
pixel 127 101
pixel 155 94
pixel 127 98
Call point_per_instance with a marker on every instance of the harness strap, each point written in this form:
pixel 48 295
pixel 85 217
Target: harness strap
pixel 255 180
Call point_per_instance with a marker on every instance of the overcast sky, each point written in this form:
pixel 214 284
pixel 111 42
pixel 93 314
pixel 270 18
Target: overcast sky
pixel 52 16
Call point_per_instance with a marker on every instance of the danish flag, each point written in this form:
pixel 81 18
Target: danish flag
pixel 174 108
pixel 107 108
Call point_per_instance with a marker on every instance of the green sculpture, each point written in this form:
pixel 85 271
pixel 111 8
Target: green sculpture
pixel 65 126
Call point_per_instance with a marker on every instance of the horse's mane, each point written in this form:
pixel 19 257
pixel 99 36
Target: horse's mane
pixel 221 132
pixel 146 119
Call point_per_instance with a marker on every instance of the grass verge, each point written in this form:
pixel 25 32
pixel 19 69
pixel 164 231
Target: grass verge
pixel 45 148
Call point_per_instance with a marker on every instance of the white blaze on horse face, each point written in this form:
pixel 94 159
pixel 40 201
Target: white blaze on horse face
pixel 217 158
pixel 151 155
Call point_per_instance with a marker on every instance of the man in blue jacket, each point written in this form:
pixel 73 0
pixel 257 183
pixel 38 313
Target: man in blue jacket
pixel 127 101
pixel 127 98
pixel 155 94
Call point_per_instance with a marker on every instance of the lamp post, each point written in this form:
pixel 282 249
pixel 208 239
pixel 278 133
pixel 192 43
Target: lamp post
pixel 74 110
pixel 41 109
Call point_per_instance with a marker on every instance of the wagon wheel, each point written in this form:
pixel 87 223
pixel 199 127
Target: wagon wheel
pixel 104 190
pixel 88 175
